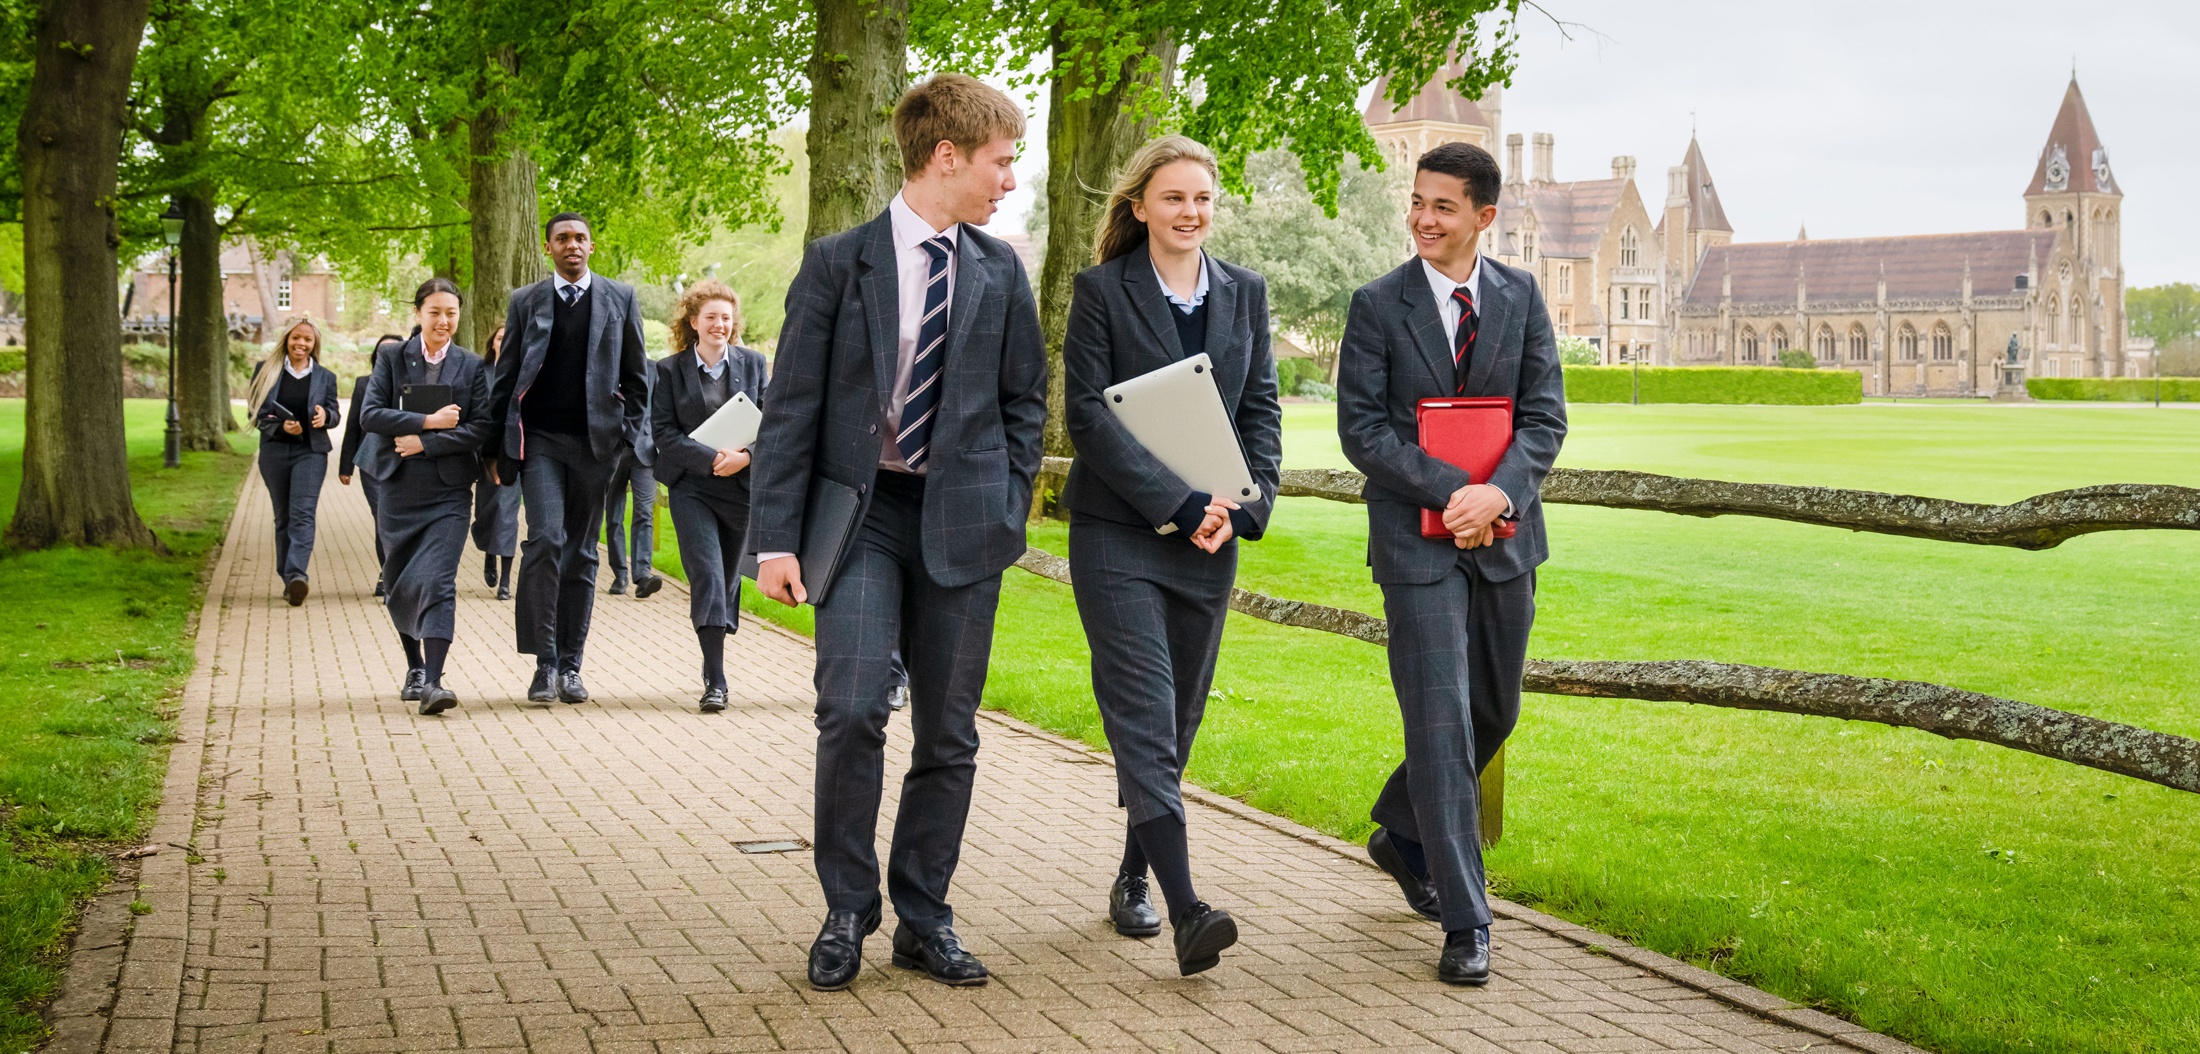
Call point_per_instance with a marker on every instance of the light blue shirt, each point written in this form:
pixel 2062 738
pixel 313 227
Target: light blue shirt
pixel 558 283
pixel 715 372
pixel 1199 292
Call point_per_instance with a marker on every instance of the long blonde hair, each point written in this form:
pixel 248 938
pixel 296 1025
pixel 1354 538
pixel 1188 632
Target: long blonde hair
pixel 1121 230
pixel 691 303
pixel 271 368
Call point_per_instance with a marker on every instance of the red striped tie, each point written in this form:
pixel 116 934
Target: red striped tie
pixel 1462 355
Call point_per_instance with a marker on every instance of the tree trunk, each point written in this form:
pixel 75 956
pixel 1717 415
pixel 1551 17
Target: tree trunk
pixel 1089 136
pixel 76 468
pixel 507 247
pixel 267 272
pixel 201 330
pixel 858 69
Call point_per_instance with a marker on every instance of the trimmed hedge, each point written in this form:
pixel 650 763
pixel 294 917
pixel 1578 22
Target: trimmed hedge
pixel 1763 385
pixel 2114 389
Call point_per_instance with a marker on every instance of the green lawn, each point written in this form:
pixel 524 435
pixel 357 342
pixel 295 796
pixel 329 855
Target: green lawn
pixel 1961 896
pixel 92 655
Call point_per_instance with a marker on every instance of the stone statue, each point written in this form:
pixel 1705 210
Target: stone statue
pixel 2012 349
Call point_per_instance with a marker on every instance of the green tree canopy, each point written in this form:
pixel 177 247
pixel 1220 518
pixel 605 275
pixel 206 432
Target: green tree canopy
pixel 2168 313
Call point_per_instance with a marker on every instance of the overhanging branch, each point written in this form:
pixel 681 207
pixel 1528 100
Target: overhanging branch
pixel 2127 750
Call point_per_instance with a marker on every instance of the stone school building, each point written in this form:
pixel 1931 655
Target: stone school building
pixel 1927 314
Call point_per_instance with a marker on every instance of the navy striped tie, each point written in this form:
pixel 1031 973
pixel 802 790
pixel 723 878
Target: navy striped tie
pixel 1470 324
pixel 915 439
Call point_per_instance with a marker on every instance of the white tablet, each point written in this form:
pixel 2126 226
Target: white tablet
pixel 1176 413
pixel 733 427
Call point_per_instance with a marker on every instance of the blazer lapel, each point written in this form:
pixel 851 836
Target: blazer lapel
pixel 687 391
pixel 1496 307
pixel 1152 304
pixel 537 345
pixel 416 366
pixel 598 318
pixel 1221 315
pixel 971 282
pixel 1427 327
pixel 881 285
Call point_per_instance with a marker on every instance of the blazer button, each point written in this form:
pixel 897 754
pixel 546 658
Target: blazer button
pixel 874 429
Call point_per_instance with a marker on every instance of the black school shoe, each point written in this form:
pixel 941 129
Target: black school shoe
pixel 295 591
pixel 836 957
pixel 940 955
pixel 1201 938
pixel 1130 907
pixel 416 685
pixel 714 701
pixel 648 587
pixel 436 699
pixel 1420 893
pixel 539 689
pixel 1466 958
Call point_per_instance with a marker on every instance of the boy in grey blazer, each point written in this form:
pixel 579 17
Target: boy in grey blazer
pixel 911 372
pixel 1450 323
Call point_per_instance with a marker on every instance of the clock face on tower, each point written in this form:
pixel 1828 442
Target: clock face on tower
pixel 2100 171
pixel 2058 169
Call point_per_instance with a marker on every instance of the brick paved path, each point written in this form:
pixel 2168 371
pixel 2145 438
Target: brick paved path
pixel 564 878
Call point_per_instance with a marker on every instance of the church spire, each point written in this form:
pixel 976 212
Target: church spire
pixel 2073 159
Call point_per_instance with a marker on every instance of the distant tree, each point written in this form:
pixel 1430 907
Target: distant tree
pixel 1577 351
pixel 1796 359
pixel 1313 261
pixel 2168 313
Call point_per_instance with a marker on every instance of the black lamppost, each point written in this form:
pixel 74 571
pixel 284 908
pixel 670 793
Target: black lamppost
pixel 171 223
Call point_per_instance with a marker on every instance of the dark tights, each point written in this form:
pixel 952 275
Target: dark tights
pixel 489 566
pixel 426 654
pixel 1159 843
pixel 713 640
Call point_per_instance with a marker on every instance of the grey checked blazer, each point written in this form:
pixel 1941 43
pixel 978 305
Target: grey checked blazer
pixel 618 370
pixel 1393 355
pixel 835 370
pixel 1119 328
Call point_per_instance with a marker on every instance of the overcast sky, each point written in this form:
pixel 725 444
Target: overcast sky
pixel 1866 117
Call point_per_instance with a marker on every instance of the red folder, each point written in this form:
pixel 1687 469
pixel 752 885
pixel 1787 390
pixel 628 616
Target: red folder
pixel 1472 433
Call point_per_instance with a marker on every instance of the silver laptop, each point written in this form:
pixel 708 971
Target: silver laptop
pixel 733 427
pixel 1176 413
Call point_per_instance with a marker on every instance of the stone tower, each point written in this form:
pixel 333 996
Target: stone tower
pixel 1694 221
pixel 2081 287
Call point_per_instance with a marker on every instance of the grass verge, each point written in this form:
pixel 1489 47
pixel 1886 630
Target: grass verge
pixel 92 656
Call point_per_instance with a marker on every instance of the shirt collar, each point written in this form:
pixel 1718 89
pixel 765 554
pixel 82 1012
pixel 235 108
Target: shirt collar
pixel 1199 291
pixel 437 358
pixel 559 283
pixel 1442 286
pixel 910 229
pixel 719 370
pixel 307 372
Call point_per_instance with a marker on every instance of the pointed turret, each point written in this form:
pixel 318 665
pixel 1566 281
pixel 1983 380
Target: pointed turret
pixel 2073 159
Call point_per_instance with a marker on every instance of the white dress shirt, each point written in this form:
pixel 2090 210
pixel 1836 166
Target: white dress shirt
pixel 296 372
pixel 1448 309
pixel 434 358
pixel 558 284
pixel 1199 291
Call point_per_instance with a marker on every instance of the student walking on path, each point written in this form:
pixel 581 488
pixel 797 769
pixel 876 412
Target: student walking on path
pixel 348 452
pixel 496 510
pixel 569 404
pixel 1153 559
pixel 709 487
pixel 428 461
pixel 909 397
pixel 293 398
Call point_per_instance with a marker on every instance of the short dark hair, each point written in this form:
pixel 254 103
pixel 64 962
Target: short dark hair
pixel 1472 164
pixel 564 217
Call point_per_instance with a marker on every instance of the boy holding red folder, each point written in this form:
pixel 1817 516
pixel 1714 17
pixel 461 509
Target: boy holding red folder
pixel 1450 324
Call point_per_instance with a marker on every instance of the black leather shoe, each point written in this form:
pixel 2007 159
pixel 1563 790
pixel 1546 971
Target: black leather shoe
pixel 1201 937
pixel 1130 907
pixel 648 586
pixel 437 699
pixel 836 957
pixel 1420 893
pixel 295 591
pixel 504 592
pixel 489 571
pixel 618 586
pixel 1466 958
pixel 416 683
pixel 570 688
pixel 539 689
pixel 378 590
pixel 714 701
pixel 940 955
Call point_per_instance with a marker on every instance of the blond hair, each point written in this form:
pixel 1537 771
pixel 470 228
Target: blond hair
pixel 1121 230
pixel 691 303
pixel 953 108
pixel 271 368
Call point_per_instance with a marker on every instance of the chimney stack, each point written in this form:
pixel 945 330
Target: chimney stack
pixel 1543 144
pixel 1623 167
pixel 1513 173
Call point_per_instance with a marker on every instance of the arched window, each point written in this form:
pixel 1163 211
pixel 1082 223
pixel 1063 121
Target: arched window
pixel 1825 344
pixel 2077 324
pixel 1629 247
pixel 1860 346
pixel 2047 219
pixel 2054 320
pixel 1779 339
pixel 1527 247
pixel 1749 344
pixel 1905 343
pixel 1944 343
